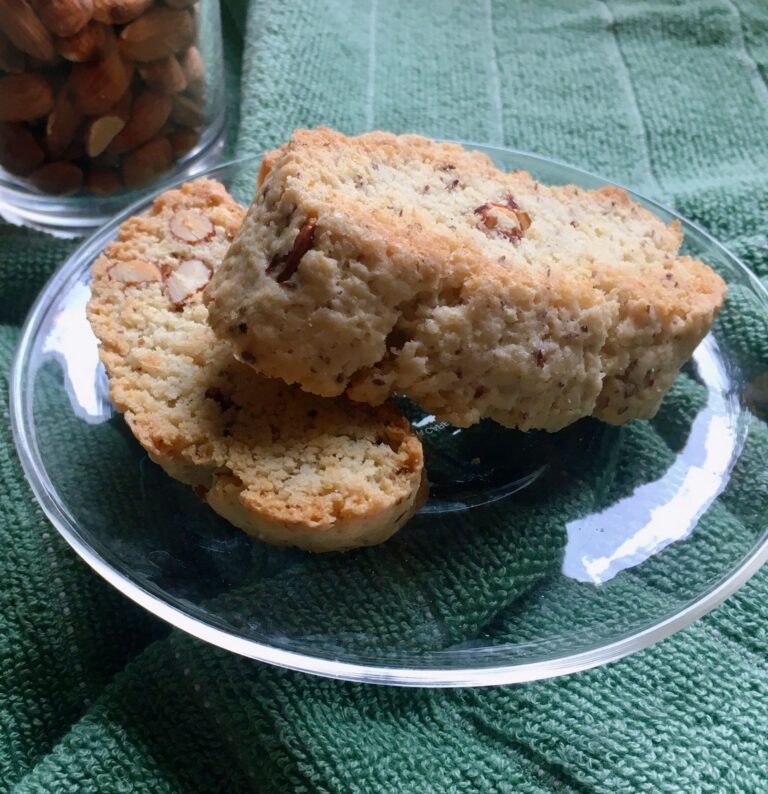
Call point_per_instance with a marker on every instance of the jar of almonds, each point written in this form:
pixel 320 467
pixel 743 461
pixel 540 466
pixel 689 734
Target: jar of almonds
pixel 101 98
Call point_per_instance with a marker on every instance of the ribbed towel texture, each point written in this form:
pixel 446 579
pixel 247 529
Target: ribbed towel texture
pixel 97 696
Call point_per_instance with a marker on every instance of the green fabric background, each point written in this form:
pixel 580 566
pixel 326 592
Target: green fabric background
pixel 97 696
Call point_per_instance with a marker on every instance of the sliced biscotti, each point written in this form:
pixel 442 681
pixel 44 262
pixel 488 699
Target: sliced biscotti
pixel 286 466
pixel 383 264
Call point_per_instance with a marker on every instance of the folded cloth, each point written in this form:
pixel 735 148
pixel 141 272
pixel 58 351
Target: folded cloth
pixel 97 696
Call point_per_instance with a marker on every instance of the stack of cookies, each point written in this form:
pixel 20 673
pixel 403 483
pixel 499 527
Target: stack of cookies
pixel 253 354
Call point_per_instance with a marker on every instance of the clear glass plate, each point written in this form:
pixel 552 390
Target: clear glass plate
pixel 536 555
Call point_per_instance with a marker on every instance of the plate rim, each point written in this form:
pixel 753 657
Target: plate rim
pixel 434 676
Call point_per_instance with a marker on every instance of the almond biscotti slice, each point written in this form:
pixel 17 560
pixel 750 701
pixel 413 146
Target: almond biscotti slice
pixel 384 264
pixel 286 466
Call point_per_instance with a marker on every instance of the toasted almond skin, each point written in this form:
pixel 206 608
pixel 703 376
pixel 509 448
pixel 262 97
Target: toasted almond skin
pixel 193 66
pixel 148 161
pixel 12 60
pixel 24 28
pixel 87 44
pixel 183 141
pixel 187 112
pixel 119 12
pixel 58 178
pixel 109 158
pixel 158 33
pixel 165 75
pixel 103 181
pixel 149 113
pixel 24 97
pixel 74 151
pixel 96 86
pixel 20 152
pixel 62 124
pixel 64 17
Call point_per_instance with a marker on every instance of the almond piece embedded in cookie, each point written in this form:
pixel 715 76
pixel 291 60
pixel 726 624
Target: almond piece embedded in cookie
pixel 506 220
pixel 283 267
pixel 135 271
pixel 191 226
pixel 188 278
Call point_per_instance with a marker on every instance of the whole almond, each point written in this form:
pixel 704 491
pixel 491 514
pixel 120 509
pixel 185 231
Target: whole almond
pixel 20 152
pixel 119 12
pixel 24 97
pixel 64 17
pixel 58 178
pixel 12 60
pixel 109 158
pixel 187 111
pixel 149 113
pixel 147 162
pixel 123 106
pixel 25 30
pixel 165 74
pixel 87 44
pixel 62 124
pixel 159 33
pixel 183 141
pixel 103 181
pixel 96 86
pixel 75 151
pixel 194 69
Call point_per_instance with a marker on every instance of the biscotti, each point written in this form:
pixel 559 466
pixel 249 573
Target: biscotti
pixel 386 264
pixel 286 466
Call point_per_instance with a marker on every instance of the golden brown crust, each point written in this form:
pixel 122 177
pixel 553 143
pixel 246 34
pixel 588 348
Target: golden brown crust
pixel 285 466
pixel 474 292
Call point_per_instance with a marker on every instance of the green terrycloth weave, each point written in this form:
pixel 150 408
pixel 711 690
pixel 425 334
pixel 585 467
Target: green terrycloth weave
pixel 671 98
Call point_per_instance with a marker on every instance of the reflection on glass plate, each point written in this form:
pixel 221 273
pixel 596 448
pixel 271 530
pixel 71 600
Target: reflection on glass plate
pixel 660 512
pixel 537 554
pixel 72 343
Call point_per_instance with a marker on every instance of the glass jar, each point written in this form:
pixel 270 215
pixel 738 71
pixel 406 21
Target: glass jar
pixel 101 98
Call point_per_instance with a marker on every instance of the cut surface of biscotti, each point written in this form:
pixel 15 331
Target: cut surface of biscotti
pixel 289 467
pixel 387 264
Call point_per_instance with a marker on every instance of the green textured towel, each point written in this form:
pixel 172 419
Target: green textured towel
pixel 97 696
